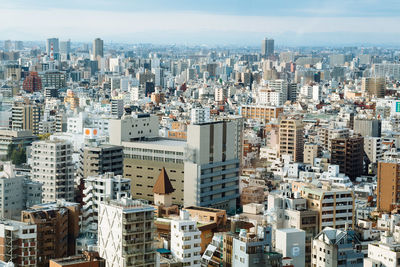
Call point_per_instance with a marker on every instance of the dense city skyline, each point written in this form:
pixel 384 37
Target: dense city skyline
pixel 209 133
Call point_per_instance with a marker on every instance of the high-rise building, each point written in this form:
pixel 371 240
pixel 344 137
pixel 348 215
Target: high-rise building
pixel 25 117
pixel 373 148
pixel 126 235
pixel 98 47
pixel 212 166
pixel 32 83
pixel 65 47
pixel 100 159
pixel 55 79
pixel 18 192
pixel 387 191
pixel 52 166
pixel 374 86
pixel 18 243
pixel 7 45
pixel 291 136
pixel 101 188
pixel 335 206
pixel 185 240
pixel 280 86
pixel 267 47
pixel 348 153
pixel 19 45
pixel 57 229
pixel 53 44
pixel 117 107
pixel 13 72
pixel 387 70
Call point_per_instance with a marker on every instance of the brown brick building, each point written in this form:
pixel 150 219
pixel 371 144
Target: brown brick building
pixel 348 153
pixel 57 229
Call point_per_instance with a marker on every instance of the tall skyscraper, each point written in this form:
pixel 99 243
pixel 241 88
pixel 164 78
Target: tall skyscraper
pixel 98 48
pixel 53 42
pixel 65 47
pixel 7 45
pixel 267 47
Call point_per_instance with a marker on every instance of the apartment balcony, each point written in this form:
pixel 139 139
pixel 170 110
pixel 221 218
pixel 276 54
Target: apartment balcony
pixel 132 242
pixel 131 253
pixel 87 190
pixel 132 231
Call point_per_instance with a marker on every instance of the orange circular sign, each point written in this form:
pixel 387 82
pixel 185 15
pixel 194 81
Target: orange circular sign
pixel 94 131
pixel 87 131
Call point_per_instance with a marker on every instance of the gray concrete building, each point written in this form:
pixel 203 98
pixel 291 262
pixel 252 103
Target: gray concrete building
pixel 17 192
pixel 368 127
pixel 98 159
pixel 212 166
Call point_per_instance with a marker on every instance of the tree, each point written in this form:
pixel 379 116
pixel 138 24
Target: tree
pixel 16 155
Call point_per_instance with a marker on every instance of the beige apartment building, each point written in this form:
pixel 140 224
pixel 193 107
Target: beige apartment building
pixel 144 160
pixel 335 206
pixel 291 136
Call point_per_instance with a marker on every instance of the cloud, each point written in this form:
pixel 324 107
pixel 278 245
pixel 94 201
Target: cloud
pixel 125 26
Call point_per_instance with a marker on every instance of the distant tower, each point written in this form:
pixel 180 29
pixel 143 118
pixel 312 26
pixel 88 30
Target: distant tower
pixel 51 51
pixel 53 43
pixel 98 46
pixel 267 47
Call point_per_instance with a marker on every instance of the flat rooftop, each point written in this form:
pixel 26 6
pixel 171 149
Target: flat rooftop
pixel 159 141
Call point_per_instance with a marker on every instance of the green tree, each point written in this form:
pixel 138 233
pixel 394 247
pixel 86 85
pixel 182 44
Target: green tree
pixel 18 156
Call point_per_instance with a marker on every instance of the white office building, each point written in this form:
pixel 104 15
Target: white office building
pixel 101 188
pixel 185 240
pixel 133 128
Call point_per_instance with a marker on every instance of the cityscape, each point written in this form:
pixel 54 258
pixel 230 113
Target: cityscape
pixel 226 134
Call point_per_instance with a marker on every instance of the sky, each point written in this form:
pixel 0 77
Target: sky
pixel 223 22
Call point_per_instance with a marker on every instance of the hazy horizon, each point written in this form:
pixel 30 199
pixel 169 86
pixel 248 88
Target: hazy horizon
pixel 292 23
